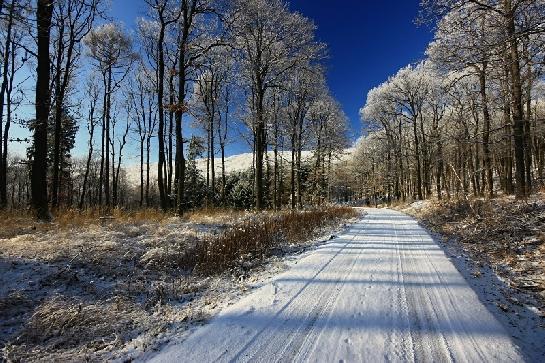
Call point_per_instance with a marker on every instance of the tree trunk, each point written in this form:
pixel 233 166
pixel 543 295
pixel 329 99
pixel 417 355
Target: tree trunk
pixel 89 158
pixel 102 139
pixel 207 200
pixel 4 161
pixel 180 159
pixel 170 141
pixel 507 127
pixel 259 142
pixel 293 148
pixel 44 13
pixel 516 97
pixel 57 120
pixel 527 121
pixel 4 88
pixel 223 137
pixel 299 164
pixel 141 202
pixel 425 161
pixel 417 160
pixel 486 132
pixel 148 149
pixel 161 126
pixel 107 140
pixel 275 171
pixel 212 162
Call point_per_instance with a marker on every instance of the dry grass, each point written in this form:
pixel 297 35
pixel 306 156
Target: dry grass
pixel 23 222
pixel 255 239
pixel 502 233
pixel 82 288
pixel 216 215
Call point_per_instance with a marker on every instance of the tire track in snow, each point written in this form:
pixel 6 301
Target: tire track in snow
pixel 302 344
pixel 274 340
pixel 407 347
pixel 428 341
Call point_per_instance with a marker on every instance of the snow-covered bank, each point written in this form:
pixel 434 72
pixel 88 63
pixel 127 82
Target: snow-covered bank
pixel 113 288
pixel 497 246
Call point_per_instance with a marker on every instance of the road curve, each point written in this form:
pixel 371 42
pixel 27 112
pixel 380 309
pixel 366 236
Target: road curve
pixel 383 291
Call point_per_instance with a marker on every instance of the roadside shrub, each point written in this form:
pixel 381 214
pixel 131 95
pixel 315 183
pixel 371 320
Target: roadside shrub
pixel 256 238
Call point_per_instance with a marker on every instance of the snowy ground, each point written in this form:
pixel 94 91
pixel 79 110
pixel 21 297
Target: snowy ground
pixel 383 291
pixel 498 246
pixel 81 289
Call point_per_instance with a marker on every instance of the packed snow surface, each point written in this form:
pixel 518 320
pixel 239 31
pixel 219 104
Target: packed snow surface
pixel 383 291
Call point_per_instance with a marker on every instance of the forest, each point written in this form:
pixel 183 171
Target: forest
pixel 127 214
pixel 192 79
pixel 469 118
pixel 272 180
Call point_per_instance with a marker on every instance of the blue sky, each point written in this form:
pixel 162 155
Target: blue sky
pixel 368 41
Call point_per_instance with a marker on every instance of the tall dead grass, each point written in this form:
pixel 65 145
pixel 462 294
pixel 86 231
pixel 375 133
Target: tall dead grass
pixel 20 222
pixel 254 239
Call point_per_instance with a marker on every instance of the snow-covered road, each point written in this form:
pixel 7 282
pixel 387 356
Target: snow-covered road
pixel 383 291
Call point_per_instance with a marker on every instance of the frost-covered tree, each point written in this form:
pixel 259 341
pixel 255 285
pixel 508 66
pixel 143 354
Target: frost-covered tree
pixel 409 110
pixel 210 106
pixel 269 41
pixel 110 47
pixel 328 126
pixel 304 85
pixel 405 95
pixel 513 21
pixel 464 41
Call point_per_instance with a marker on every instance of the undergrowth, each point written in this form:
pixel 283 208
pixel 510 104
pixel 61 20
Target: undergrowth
pixel 503 233
pixel 89 288
pixel 255 239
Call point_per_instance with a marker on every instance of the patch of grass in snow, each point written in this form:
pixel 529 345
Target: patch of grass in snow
pixel 68 289
pixel 85 288
pixel 215 215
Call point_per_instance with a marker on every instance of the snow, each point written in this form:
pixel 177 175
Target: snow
pixel 524 323
pixel 233 164
pixel 112 273
pixel 382 291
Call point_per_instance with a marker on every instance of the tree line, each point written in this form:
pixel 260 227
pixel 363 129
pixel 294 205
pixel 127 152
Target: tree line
pixel 194 77
pixel 468 119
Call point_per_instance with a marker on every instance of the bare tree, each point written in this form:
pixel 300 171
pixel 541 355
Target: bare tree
pixel 111 48
pixel 93 93
pixel 72 19
pixel 166 16
pixel 44 13
pixel 270 41
pixel 12 62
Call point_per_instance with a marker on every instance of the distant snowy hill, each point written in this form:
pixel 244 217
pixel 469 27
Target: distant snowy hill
pixel 233 164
